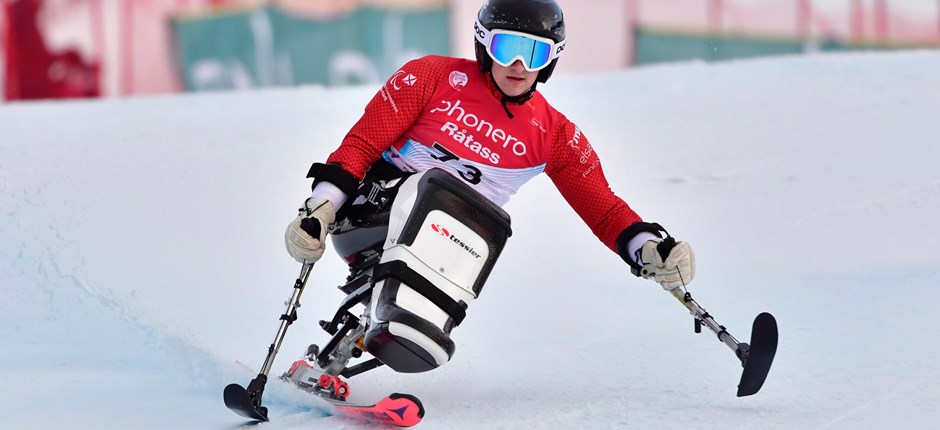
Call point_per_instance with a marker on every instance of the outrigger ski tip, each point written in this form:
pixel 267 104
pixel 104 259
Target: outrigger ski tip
pixel 759 355
pixel 243 403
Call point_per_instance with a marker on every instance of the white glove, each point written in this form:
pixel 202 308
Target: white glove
pixel 305 236
pixel 675 269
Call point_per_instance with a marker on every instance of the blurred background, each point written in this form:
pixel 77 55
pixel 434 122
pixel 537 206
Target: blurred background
pixel 55 49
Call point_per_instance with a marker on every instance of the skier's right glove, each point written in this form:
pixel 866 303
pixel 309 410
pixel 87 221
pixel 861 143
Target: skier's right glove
pixel 305 236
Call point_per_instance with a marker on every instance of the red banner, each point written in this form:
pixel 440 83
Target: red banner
pixel 32 70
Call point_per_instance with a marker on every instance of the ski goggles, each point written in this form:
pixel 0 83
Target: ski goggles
pixel 507 46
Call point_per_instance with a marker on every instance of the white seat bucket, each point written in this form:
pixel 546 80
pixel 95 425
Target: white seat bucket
pixel 443 240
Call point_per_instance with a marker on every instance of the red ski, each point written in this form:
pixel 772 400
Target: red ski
pixel 402 410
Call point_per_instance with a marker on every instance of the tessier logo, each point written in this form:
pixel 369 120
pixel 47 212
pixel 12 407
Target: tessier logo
pixel 440 230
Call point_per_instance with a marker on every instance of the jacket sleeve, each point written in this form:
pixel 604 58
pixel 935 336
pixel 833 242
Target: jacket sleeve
pixel 389 115
pixel 576 171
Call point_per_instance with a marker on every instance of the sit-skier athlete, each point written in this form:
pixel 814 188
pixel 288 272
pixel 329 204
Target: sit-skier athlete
pixel 412 195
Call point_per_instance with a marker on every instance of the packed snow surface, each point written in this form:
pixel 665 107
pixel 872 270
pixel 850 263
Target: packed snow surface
pixel 142 256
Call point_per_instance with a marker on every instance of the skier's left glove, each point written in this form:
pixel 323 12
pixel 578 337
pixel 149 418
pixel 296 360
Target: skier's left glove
pixel 670 263
pixel 306 235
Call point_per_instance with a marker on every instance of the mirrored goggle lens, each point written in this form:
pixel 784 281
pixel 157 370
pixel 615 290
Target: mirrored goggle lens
pixel 506 48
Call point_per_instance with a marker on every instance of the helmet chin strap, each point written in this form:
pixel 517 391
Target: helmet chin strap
pixel 519 99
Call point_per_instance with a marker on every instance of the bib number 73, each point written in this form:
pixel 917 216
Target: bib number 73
pixel 468 172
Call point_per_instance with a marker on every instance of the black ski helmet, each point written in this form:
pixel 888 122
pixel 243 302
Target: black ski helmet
pixel 536 17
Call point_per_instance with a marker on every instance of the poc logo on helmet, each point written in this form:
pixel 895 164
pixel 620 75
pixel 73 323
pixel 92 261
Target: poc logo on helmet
pixel 480 32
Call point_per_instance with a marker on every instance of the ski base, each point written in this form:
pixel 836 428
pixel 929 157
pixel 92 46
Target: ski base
pixel 760 355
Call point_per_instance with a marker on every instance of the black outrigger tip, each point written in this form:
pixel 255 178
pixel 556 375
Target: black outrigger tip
pixel 759 355
pixel 246 403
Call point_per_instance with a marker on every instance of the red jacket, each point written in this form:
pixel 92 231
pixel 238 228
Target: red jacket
pixel 445 112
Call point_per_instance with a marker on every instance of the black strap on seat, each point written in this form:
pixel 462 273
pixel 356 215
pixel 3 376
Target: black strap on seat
pixel 399 270
pixel 376 194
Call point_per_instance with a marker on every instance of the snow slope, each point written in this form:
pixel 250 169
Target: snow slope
pixel 141 255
